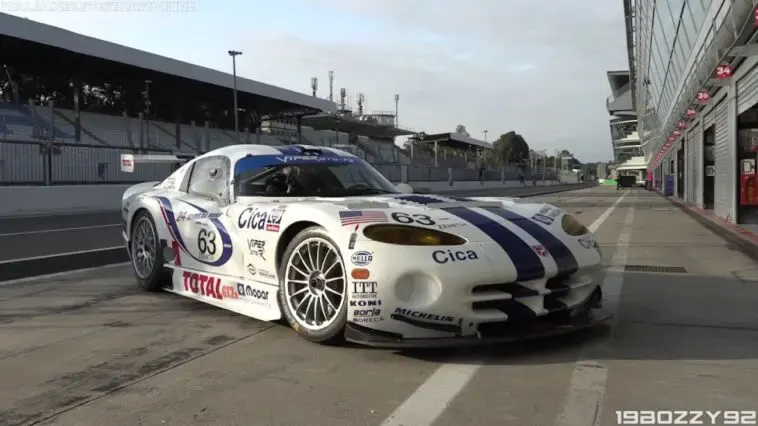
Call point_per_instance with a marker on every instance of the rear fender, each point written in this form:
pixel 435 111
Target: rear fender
pixel 138 189
pixel 152 206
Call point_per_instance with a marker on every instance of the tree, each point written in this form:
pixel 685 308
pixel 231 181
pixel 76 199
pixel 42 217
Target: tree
pixel 511 148
pixel 461 130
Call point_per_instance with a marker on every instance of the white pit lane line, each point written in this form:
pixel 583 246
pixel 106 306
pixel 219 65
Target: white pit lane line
pixel 584 400
pixel 431 399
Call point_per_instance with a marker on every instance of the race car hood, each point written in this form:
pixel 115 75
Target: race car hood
pixel 471 218
pixel 420 202
pixel 466 217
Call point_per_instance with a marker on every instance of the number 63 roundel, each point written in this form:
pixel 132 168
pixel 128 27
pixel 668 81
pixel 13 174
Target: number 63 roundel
pixel 206 244
pixel 407 219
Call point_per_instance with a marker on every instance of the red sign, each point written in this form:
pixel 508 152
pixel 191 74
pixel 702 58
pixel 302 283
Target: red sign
pixel 755 16
pixel 672 138
pixel 691 113
pixel 677 133
pixel 703 96
pixel 681 124
pixel 724 71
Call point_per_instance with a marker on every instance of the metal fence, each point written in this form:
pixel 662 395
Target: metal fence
pixel 59 163
pixel 46 163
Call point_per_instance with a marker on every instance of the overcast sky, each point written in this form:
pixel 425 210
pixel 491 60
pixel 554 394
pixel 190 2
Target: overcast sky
pixel 531 66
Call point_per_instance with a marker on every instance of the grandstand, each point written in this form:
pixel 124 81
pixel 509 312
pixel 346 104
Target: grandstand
pixel 447 149
pixel 71 104
pixel 92 99
pixel 369 136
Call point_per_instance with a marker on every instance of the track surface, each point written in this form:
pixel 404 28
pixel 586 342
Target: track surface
pixel 87 349
pixel 25 237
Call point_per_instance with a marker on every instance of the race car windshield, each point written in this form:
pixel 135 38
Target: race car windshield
pixel 312 178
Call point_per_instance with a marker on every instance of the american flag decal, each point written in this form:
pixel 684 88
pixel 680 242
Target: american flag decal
pixel 355 217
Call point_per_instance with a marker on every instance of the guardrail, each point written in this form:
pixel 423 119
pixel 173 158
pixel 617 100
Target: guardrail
pixel 24 163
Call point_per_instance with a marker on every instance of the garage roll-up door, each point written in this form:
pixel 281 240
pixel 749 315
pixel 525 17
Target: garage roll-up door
pixel 747 90
pixel 722 152
pixel 693 153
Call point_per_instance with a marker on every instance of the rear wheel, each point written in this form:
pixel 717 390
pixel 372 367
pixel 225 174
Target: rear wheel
pixel 147 255
pixel 313 287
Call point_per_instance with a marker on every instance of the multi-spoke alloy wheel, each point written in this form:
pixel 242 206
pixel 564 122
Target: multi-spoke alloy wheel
pixel 144 248
pixel 314 286
pixel 147 257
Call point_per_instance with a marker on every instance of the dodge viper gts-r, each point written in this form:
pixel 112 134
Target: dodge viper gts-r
pixel 320 238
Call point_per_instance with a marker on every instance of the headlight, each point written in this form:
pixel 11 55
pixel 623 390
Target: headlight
pixel 572 226
pixel 411 236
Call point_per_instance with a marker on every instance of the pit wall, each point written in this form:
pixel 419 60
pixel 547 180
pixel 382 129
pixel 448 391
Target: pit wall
pixel 44 200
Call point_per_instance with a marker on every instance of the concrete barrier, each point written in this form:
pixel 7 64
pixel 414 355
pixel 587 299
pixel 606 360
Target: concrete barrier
pixel 44 200
pixel 49 200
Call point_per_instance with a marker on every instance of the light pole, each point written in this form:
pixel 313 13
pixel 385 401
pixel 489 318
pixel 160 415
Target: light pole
pixel 233 54
pixel 544 164
pixel 397 101
pixel 485 135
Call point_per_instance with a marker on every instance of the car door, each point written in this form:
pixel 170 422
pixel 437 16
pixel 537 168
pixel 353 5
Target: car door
pixel 198 214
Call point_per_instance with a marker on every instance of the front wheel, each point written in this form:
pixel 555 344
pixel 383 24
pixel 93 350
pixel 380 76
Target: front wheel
pixel 146 253
pixel 313 287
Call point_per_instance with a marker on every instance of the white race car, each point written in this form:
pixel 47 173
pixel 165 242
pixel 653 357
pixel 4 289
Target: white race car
pixel 319 237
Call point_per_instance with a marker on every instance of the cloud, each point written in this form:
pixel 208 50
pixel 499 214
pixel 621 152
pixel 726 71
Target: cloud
pixel 534 67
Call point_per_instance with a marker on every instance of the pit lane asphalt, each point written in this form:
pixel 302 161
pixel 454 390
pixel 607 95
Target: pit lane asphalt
pixel 47 244
pixel 86 348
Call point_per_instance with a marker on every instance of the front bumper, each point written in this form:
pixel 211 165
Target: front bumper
pixel 586 318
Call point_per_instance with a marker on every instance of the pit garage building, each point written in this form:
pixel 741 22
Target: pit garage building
pixel 694 73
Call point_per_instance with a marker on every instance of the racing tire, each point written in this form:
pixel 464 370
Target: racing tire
pixel 333 332
pixel 155 277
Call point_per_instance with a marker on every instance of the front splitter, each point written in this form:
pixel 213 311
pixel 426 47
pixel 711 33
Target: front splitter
pixel 362 336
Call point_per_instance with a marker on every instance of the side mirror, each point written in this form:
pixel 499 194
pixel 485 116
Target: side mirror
pixel 404 188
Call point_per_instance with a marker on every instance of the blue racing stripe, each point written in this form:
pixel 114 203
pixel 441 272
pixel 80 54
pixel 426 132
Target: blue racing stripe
pixel 419 199
pixel 289 149
pixel 255 162
pixel 528 264
pixel 563 256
